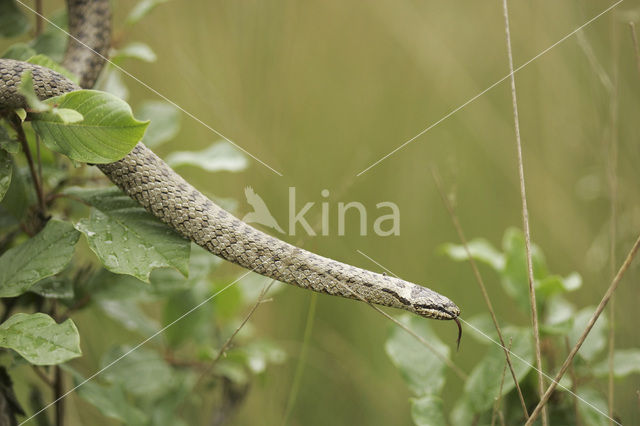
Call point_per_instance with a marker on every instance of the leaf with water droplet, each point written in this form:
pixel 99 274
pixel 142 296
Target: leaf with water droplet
pixel 39 339
pixel 39 257
pixel 126 238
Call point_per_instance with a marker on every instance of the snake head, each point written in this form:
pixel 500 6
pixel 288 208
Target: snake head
pixel 436 306
pixel 429 304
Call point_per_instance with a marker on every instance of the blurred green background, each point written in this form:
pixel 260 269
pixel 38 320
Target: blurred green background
pixel 321 90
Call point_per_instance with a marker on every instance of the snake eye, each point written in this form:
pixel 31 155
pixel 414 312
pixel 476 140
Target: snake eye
pixel 448 311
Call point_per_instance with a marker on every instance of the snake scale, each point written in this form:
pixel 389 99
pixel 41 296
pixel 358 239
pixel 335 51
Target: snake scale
pixel 166 195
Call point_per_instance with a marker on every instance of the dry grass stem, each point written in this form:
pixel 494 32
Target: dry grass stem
pixel 612 170
pixel 480 281
pixel 592 321
pixel 525 213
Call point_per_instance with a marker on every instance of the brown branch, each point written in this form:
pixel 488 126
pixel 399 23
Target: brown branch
pixel 525 214
pixel 58 395
pixel 17 125
pixel 480 281
pixel 592 321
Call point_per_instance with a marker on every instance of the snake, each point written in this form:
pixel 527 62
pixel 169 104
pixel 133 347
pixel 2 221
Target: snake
pixel 147 179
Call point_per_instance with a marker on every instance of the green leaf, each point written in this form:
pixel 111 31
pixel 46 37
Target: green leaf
pixel 168 409
pixel 483 384
pixel 480 250
pixel 107 133
pixel 10 145
pixel 164 122
pixel 462 412
pixel 198 325
pixel 65 115
pixel 233 369
pixel 20 194
pixel 19 51
pixel 558 317
pixel 625 362
pixel 129 314
pixel 7 221
pixel 39 339
pixel 12 21
pixel 135 50
pixel 6 170
pixel 260 353
pixel 168 281
pixel 126 238
pixel 47 62
pixel 596 340
pixel 21 113
pixel 554 284
pixel 141 372
pixel 110 400
pixel 515 277
pixel 421 369
pixel 112 82
pixel 53 42
pixel 26 90
pixel 252 284
pixel 106 285
pixel 219 156
pixel 427 411
pixel 141 9
pixel 44 255
pixel 483 323
pixel 54 288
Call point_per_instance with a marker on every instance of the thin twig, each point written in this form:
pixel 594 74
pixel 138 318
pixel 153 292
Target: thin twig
pixel 634 37
pixel 480 281
pixel 592 321
pixel 574 385
pixel 525 213
pixel 613 198
pixel 496 406
pixel 17 125
pixel 38 158
pixel 226 344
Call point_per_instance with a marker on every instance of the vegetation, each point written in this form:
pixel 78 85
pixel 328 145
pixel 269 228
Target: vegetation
pixel 106 310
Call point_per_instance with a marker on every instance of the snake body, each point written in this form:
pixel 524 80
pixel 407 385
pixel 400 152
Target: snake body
pixel 165 194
